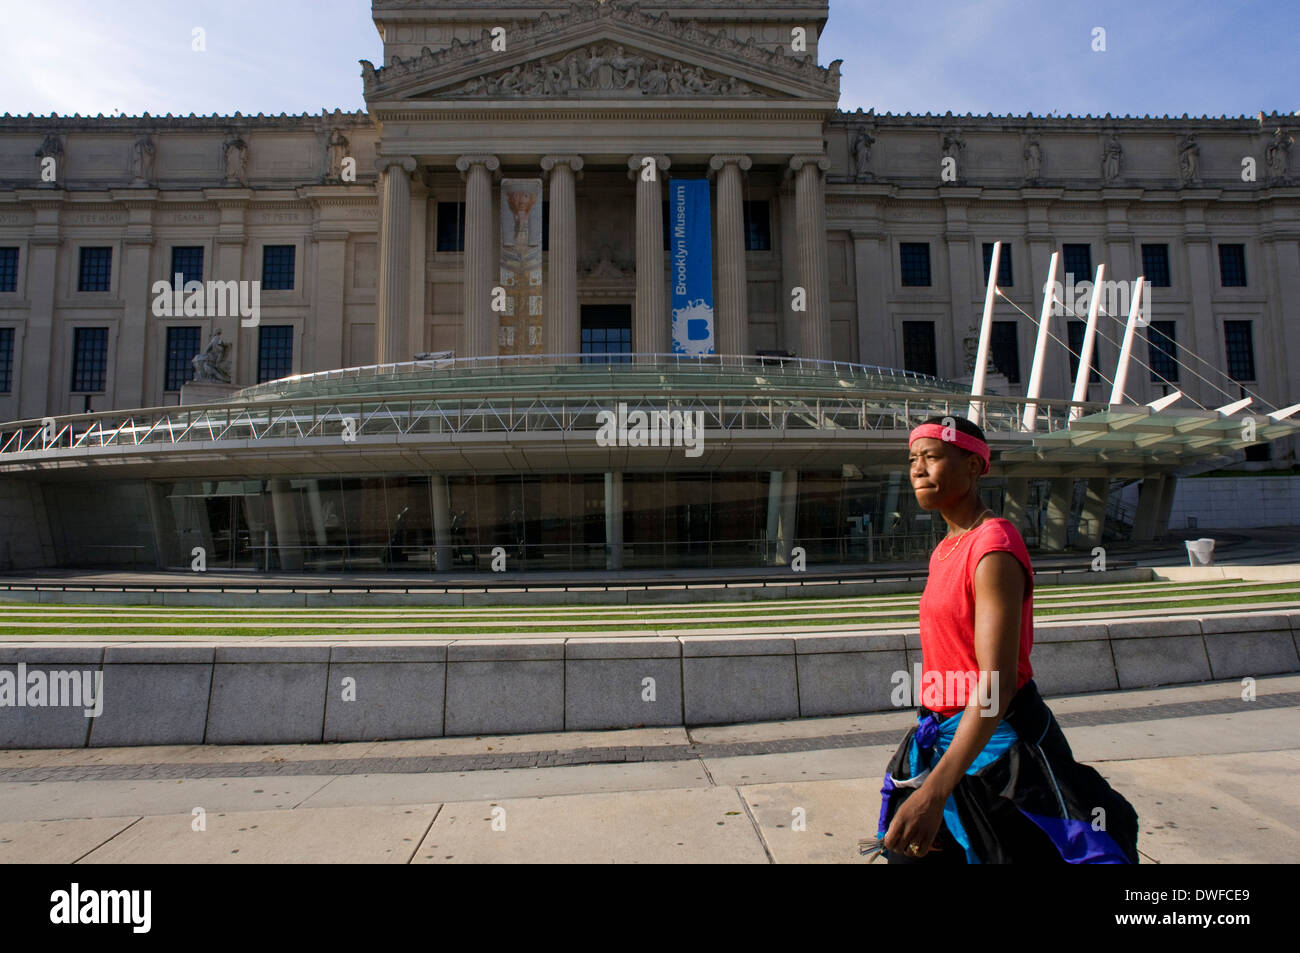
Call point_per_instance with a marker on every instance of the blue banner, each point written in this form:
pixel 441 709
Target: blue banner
pixel 692 266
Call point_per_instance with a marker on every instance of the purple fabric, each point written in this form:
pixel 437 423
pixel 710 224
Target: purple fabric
pixel 1077 841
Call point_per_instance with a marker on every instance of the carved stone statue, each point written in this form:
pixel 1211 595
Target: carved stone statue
pixel 337 151
pixel 1189 160
pixel 862 154
pixel 213 365
pixel 1033 160
pixel 970 346
pixel 236 159
pixel 953 144
pixel 1111 158
pixel 52 148
pixel 142 161
pixel 1277 156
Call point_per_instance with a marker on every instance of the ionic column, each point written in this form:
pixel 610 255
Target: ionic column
pixel 814 272
pixel 733 288
pixel 651 327
pixel 562 328
pixel 392 299
pixel 480 332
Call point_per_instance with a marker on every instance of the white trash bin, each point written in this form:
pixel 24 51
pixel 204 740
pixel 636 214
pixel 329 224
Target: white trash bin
pixel 1200 552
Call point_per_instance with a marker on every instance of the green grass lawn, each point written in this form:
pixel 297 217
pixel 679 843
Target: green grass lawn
pixel 53 621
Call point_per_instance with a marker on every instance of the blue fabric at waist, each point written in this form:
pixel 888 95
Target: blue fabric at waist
pixel 934 736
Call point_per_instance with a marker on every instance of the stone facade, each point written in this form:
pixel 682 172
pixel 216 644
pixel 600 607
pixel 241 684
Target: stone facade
pixel 584 96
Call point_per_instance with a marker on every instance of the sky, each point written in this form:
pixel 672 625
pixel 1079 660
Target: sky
pixel 1007 57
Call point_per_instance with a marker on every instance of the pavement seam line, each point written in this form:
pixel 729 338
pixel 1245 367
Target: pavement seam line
pixel 425 836
pixel 110 840
pixel 757 829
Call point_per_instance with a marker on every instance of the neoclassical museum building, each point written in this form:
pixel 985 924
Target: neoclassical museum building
pixel 408 321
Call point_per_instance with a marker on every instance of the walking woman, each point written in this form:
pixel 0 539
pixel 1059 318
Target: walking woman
pixel 986 776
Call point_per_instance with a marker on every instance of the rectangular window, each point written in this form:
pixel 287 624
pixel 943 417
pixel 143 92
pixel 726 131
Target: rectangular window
pixel 96 271
pixel 546 226
pixel 918 347
pixel 1232 266
pixel 274 352
pixel 1075 331
pixel 1241 350
pixel 914 261
pixel 451 226
pixel 1162 352
pixel 6 360
pixel 606 341
pixel 182 345
pixel 89 359
pixel 1155 265
pixel 1004 265
pixel 187 261
pixel 758 226
pixel 1077 261
pixel 8 269
pixel 1004 348
pixel 277 267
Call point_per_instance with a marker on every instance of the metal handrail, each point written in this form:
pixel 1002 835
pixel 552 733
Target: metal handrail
pixel 316 418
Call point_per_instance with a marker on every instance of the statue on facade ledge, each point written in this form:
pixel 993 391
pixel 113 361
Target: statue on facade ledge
pixel 1033 161
pixel 336 150
pixel 1111 157
pixel 862 154
pixel 1277 156
pixel 51 148
pixel 213 365
pixel 235 153
pixel 142 161
pixel 1189 160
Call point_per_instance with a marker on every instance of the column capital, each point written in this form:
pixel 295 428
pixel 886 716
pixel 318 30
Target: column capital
pixel 717 162
pixel 465 162
pixel 636 162
pixel 384 163
pixel 820 161
pixel 573 162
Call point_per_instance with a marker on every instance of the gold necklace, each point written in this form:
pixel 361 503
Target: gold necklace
pixel 962 535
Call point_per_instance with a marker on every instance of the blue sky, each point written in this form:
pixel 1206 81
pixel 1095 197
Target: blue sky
pixel 1234 57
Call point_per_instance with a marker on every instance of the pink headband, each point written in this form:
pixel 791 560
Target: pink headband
pixel 953 436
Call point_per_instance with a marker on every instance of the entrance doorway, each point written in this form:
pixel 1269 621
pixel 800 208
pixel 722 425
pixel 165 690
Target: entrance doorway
pixel 606 333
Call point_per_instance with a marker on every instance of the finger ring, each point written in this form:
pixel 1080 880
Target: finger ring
pixel 914 849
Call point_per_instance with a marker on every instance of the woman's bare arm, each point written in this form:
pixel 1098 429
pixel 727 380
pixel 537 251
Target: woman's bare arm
pixel 999 590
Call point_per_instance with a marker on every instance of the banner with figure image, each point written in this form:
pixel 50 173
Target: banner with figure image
pixel 692 266
pixel 519 330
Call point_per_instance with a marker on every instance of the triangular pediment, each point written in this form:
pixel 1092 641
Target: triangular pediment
pixel 609 51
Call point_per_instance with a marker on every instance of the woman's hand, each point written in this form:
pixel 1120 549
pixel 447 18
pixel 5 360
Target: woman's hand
pixel 917 821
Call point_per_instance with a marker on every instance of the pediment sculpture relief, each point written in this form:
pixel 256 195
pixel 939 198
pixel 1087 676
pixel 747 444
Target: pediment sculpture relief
pixel 605 67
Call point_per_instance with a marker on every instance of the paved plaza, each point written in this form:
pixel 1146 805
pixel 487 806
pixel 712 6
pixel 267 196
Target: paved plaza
pixel 1211 776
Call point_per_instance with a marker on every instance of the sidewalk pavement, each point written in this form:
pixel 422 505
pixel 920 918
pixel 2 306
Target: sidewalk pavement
pixel 1212 776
